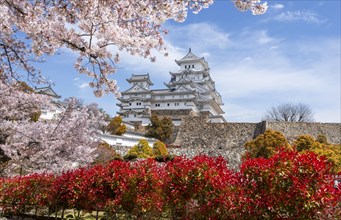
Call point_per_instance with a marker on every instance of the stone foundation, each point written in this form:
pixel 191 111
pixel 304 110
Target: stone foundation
pixel 197 136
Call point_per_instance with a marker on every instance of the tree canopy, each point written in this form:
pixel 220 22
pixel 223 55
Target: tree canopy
pixel 290 112
pixel 96 30
pixel 161 129
pixel 65 141
pixel 116 126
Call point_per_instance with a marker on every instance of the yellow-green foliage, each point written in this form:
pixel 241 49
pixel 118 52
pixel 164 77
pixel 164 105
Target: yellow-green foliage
pixel 304 142
pixel 116 127
pixel 161 129
pixel 141 150
pixel 35 116
pixel 266 145
pixel 159 148
pixel 321 147
pixel 331 152
pixel 321 138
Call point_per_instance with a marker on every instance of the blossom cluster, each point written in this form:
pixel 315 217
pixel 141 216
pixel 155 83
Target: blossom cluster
pixel 66 141
pixel 31 30
pixel 287 186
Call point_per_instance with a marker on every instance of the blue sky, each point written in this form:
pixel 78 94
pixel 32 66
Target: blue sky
pixel 290 54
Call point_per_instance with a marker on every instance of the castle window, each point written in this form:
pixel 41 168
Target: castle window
pixel 185 66
pixel 157 105
pixel 129 103
pixel 192 66
pixel 176 104
pixel 138 103
pixel 167 104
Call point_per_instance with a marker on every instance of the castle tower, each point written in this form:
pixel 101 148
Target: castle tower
pixel 136 101
pixel 190 90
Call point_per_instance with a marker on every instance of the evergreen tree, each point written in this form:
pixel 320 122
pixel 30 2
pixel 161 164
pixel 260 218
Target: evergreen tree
pixel 116 127
pixel 161 129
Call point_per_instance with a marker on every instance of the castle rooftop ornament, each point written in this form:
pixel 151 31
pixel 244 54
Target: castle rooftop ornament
pixel 190 90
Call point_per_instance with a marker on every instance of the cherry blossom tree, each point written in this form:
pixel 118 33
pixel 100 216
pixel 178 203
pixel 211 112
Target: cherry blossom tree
pixel 66 141
pixel 33 29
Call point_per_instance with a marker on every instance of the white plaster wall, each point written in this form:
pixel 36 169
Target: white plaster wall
pixel 124 141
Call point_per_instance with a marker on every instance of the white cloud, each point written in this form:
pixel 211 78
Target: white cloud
pixel 305 16
pixel 263 38
pixel 277 6
pixel 199 35
pixel 83 85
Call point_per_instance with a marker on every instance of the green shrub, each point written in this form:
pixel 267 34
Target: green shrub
pixel 321 147
pixel 164 158
pixel 266 145
pixel 141 150
pixel 159 148
pixel 321 138
pixel 304 142
pixel 161 129
pixel 129 157
pixel 116 127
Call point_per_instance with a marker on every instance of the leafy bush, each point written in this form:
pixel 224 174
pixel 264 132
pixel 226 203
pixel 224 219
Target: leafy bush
pixel 332 153
pixel 288 185
pixel 159 148
pixel 304 142
pixel 164 158
pixel 266 145
pixel 116 127
pixel 141 150
pixel 161 129
pixel 130 157
pixel 321 138
pixel 321 147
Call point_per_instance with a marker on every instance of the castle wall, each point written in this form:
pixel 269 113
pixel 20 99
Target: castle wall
pixel 292 130
pixel 196 136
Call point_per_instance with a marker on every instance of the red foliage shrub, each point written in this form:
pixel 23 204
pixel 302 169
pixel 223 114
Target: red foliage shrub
pixel 198 187
pixel 23 194
pixel 288 185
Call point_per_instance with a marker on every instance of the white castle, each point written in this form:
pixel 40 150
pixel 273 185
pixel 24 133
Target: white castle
pixel 191 90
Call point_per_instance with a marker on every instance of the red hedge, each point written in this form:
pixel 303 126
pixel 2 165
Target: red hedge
pixel 287 186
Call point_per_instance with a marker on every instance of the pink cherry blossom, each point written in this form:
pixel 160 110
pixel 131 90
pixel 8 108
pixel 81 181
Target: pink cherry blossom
pixel 32 29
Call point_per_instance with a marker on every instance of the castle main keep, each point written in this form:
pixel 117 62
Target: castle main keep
pixel 190 90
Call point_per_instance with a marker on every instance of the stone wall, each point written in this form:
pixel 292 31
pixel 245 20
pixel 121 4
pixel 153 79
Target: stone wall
pixel 172 113
pixel 196 136
pixel 292 130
